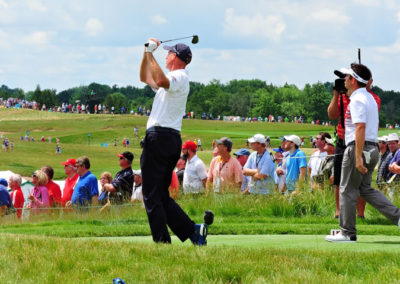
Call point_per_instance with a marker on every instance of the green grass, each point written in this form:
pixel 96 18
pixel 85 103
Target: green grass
pixel 53 260
pixel 72 130
pixel 255 239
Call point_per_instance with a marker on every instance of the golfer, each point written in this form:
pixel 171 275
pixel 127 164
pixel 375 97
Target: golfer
pixel 162 144
pixel 361 155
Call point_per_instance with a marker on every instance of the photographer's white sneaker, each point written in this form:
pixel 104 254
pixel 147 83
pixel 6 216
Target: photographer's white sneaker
pixel 341 238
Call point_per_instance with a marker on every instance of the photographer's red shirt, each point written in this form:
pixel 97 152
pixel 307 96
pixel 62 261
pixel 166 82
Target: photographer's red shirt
pixel 346 102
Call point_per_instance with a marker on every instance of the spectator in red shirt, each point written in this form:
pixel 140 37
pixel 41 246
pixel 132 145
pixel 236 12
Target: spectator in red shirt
pixel 53 188
pixel 17 197
pixel 71 180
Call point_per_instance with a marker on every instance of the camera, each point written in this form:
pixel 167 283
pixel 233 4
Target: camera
pixel 339 86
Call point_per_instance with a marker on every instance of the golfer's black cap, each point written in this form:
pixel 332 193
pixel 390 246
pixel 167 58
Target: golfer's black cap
pixel 182 51
pixel 127 155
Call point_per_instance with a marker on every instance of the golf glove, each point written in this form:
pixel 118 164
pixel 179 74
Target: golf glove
pixel 151 46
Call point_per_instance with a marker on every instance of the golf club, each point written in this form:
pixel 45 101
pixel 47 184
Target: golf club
pixel 194 40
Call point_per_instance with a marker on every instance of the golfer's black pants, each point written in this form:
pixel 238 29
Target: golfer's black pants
pixel 161 151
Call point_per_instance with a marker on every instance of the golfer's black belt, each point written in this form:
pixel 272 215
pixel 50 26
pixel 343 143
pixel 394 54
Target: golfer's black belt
pixel 163 129
pixel 365 143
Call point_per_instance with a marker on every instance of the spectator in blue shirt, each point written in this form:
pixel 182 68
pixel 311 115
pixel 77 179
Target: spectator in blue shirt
pixel 259 167
pixel 86 190
pixel 5 199
pixel 296 164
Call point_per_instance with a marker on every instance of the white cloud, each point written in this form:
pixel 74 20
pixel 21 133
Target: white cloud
pixel 3 4
pixel 4 39
pixel 38 38
pixel 93 27
pixel 371 3
pixel 36 5
pixel 159 20
pixel 398 16
pixel 265 26
pixel 330 16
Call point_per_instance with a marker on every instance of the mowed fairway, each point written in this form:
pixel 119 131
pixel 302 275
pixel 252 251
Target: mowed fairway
pixel 254 239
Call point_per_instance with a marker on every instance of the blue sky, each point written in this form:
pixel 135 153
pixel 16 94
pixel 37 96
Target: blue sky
pixel 61 44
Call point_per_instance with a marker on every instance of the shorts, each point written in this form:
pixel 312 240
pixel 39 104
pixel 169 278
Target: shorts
pixel 337 168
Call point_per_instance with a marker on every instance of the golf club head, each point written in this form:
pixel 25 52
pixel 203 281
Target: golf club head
pixel 195 39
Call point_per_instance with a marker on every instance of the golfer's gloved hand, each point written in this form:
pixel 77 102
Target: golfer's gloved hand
pixel 150 46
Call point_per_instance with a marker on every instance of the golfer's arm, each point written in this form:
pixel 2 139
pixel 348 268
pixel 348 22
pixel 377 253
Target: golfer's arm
pixel 333 110
pixel 157 74
pixel 145 74
pixel 360 139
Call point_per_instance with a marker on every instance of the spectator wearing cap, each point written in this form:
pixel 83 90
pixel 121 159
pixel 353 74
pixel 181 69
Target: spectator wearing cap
pixel 137 187
pixel 195 176
pixel 281 170
pixel 296 164
pixel 70 182
pixel 53 189
pixel 259 167
pixel 86 191
pixel 225 173
pixel 39 196
pixel 317 157
pixel 17 196
pixel 394 166
pixel 5 198
pixel 242 155
pixel 120 188
pixel 384 161
pixel 325 172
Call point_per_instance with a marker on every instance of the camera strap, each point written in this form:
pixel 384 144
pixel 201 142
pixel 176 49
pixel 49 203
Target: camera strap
pixel 341 112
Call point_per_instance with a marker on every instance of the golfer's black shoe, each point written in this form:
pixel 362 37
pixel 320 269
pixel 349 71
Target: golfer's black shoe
pixel 208 217
pixel 199 236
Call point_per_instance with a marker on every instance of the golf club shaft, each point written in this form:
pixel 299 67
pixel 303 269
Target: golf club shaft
pixel 168 40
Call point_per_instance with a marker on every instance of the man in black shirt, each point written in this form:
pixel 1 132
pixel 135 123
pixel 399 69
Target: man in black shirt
pixel 120 189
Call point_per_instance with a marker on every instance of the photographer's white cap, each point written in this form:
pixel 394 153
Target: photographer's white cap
pixel 293 138
pixel 392 137
pixel 257 138
pixel 342 72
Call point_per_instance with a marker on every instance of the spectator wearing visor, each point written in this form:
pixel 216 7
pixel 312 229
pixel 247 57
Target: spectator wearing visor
pixel 242 155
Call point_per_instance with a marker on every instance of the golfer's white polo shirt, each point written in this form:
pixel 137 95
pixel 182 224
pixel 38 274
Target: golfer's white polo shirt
pixel 362 109
pixel 169 105
pixel 195 172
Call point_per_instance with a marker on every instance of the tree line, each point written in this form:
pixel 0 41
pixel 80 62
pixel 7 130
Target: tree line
pixel 246 98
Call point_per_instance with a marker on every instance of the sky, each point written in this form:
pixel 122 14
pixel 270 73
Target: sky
pixel 61 44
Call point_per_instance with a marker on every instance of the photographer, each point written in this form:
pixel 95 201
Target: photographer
pixel 336 110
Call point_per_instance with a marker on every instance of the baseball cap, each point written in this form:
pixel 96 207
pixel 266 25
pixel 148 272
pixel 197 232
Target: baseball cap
pixel 279 150
pixel 137 172
pixel 69 162
pixel 3 182
pixel 293 138
pixel 182 51
pixel 225 141
pixel 392 137
pixel 127 155
pixel 383 139
pixel 342 72
pixel 190 145
pixel 257 138
pixel 242 152
pixel 329 141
